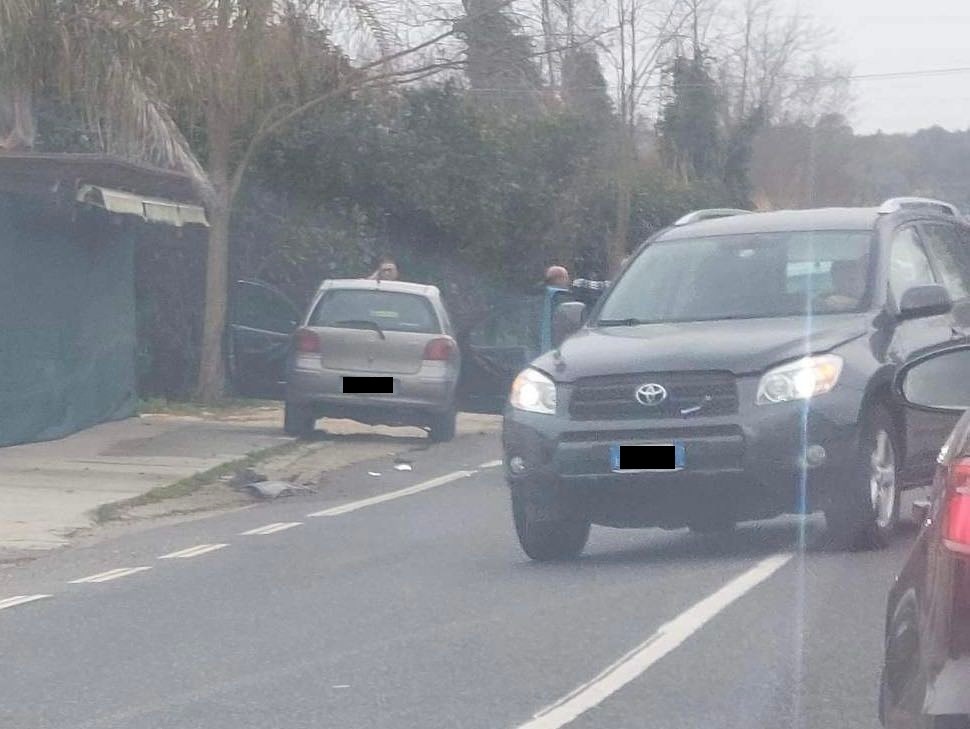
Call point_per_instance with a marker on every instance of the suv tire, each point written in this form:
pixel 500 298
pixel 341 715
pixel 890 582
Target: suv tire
pixel 443 426
pixel 548 540
pixel 298 420
pixel 865 515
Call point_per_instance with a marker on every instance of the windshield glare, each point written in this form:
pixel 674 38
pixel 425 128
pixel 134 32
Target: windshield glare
pixel 758 275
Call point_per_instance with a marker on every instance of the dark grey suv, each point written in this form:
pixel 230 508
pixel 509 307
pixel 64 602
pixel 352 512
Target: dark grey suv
pixel 740 368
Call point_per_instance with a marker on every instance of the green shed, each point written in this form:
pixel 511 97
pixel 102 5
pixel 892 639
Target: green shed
pixel 68 229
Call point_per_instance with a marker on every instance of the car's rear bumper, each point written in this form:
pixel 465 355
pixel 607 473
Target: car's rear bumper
pixel 431 390
pixel 753 463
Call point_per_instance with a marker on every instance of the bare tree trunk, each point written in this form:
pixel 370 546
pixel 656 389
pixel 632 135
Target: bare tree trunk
pixel 212 371
pixel 626 168
pixel 212 376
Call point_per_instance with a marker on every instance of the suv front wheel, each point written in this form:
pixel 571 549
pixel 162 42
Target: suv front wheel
pixel 865 514
pixel 547 540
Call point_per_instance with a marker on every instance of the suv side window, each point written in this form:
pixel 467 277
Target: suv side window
pixel 951 257
pixel 908 263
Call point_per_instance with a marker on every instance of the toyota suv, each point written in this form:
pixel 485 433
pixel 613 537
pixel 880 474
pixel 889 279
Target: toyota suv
pixel 740 368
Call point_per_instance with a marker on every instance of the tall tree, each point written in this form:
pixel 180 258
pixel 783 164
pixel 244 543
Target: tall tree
pixel 688 126
pixel 500 57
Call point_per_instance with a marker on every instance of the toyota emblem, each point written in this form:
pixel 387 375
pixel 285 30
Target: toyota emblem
pixel 651 394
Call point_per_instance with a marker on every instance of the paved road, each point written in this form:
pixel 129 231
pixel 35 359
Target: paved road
pixel 419 611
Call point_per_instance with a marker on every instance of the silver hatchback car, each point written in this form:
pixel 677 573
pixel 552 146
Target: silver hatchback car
pixel 379 352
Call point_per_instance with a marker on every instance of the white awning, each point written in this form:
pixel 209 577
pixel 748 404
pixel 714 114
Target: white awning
pixel 151 209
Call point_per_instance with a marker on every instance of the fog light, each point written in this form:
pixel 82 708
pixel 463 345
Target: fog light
pixel 517 465
pixel 815 456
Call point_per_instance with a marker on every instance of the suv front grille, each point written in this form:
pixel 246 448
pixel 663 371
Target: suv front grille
pixel 613 397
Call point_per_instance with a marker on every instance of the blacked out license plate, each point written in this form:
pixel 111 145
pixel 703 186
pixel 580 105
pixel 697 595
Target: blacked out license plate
pixel 368 385
pixel 648 457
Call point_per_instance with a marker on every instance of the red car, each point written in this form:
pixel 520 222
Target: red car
pixel 926 677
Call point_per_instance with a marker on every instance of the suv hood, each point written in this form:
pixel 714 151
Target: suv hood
pixel 740 346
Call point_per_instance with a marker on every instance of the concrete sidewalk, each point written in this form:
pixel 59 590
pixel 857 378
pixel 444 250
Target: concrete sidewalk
pixel 49 490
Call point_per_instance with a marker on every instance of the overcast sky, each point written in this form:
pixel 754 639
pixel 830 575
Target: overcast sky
pixel 889 36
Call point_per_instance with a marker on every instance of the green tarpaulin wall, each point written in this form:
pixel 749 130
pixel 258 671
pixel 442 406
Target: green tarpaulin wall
pixel 67 321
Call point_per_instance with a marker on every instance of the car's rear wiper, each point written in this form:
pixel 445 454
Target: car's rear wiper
pixel 361 324
pixel 620 322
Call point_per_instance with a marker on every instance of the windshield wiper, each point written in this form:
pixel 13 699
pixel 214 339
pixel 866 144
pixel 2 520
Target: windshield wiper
pixel 620 322
pixel 361 324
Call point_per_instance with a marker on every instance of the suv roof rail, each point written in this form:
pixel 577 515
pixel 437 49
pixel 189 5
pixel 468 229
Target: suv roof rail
pixel 895 204
pixel 710 214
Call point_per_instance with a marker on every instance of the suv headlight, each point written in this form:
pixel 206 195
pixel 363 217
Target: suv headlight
pixel 533 392
pixel 800 380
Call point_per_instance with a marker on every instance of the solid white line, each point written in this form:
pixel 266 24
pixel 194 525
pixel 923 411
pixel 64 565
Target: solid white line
pixel 272 528
pixel 193 551
pixel 492 464
pixel 666 639
pixel 390 496
pixel 110 575
pixel 19 600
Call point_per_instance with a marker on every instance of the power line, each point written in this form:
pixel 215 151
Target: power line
pixel 910 74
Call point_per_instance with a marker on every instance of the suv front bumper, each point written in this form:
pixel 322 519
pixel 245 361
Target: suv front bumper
pixel 753 463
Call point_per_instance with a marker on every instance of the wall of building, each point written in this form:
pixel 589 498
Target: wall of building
pixel 67 321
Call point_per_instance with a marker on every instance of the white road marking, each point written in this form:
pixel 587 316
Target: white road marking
pixel 390 496
pixel 19 600
pixel 491 464
pixel 193 551
pixel 110 575
pixel 272 528
pixel 666 639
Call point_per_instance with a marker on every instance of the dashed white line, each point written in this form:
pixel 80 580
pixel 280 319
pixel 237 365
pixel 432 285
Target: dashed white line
pixel 272 528
pixel 19 600
pixel 491 464
pixel 658 645
pixel 390 496
pixel 193 551
pixel 109 575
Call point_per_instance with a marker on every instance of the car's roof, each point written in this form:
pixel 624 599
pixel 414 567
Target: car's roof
pixel 364 284
pixel 780 221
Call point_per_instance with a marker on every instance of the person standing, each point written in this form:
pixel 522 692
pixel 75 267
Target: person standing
pixel 386 270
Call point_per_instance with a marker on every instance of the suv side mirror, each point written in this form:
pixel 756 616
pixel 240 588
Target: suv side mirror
pixel 566 320
pixel 922 301
pixel 936 382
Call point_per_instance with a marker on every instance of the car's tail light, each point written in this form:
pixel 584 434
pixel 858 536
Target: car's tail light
pixel 307 341
pixel 956 517
pixel 442 349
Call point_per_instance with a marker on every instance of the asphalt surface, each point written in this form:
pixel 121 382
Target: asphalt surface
pixel 420 611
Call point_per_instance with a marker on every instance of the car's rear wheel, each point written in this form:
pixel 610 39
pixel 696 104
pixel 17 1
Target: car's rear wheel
pixel 548 540
pixel 298 420
pixel 865 514
pixel 443 426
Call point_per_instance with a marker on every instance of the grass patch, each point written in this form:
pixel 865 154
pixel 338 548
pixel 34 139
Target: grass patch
pixel 161 405
pixel 191 484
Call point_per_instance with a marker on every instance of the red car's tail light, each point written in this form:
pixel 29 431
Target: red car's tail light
pixel 307 341
pixel 956 517
pixel 440 350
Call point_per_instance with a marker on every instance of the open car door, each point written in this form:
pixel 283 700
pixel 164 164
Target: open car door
pixel 261 320
pixel 496 349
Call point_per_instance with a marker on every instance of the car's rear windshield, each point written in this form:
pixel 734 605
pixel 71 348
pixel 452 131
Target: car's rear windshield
pixel 744 276
pixel 390 310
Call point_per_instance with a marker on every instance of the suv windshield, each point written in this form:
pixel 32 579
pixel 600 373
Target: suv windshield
pixel 743 276
pixel 392 311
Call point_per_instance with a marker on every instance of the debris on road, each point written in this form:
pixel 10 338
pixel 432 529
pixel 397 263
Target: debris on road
pixel 245 477
pixel 403 466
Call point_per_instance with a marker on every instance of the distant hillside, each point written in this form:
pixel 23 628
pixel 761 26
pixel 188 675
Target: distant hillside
pixel 805 166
